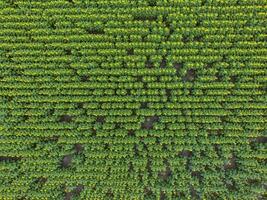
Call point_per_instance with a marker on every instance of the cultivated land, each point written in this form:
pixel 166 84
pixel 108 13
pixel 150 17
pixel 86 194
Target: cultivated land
pixel 133 99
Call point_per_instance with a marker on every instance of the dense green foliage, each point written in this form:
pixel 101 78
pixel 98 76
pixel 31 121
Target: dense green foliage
pixel 133 99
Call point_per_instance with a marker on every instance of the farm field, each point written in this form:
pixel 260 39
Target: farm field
pixel 133 99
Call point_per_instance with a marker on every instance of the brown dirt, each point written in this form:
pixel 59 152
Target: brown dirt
pixel 9 158
pixel 131 133
pixel 231 164
pixel 260 139
pixel 130 52
pixel 168 92
pixel 210 65
pixel 68 51
pixel 136 150
pixel 163 63
pixel 149 63
pixel 198 38
pixel 95 31
pixel 219 76
pixel 197 174
pixel 148 124
pixel 233 79
pixel 84 78
pixel 143 18
pixel 193 193
pixel 110 194
pixel 178 66
pixel 148 167
pixel 68 196
pixel 230 185
pixel 51 111
pixel 143 105
pixel 130 167
pixel 186 153
pixel 80 105
pixel 100 119
pixel 185 39
pixel 139 78
pixel 217 148
pixel 65 118
pixel 190 75
pixel 162 195
pixel 78 148
pixel 165 175
pixel 148 191
pixel 78 189
pixel 41 180
pixel 66 162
